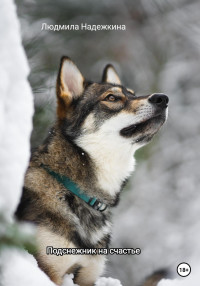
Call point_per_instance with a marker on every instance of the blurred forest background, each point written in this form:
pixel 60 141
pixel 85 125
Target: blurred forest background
pixel 158 52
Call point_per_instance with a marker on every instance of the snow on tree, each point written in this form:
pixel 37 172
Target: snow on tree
pixel 16 109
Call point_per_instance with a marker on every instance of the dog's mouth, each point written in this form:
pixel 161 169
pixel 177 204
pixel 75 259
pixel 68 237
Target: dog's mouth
pixel 145 129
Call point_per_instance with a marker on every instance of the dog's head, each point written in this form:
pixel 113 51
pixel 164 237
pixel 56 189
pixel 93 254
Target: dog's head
pixel 106 112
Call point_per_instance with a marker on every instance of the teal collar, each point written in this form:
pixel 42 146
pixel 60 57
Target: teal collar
pixel 73 188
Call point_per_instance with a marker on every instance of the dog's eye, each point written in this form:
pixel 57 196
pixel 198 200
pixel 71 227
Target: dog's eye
pixel 111 97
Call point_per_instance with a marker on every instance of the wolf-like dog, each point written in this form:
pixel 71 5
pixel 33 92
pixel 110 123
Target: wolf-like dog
pixel 75 177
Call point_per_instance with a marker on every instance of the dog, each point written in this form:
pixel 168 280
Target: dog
pixel 75 177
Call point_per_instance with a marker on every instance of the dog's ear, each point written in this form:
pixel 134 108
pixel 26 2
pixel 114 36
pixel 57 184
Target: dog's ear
pixel 110 75
pixel 70 85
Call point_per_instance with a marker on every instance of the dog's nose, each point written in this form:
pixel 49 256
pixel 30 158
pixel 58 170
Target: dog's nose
pixel 159 99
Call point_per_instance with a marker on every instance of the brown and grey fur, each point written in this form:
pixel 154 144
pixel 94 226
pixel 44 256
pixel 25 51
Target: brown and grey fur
pixel 62 219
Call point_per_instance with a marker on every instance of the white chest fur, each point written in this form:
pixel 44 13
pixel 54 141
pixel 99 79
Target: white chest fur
pixel 112 153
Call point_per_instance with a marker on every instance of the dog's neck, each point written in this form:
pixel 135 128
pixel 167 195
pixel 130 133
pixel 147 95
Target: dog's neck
pixel 65 158
pixel 114 162
pixel 94 165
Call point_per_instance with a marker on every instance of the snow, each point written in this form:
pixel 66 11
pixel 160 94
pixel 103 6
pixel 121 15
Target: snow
pixel 18 265
pixel 16 109
pixel 103 281
pixel 68 280
pixel 20 268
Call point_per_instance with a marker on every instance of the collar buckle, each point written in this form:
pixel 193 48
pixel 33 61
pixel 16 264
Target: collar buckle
pixel 97 205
